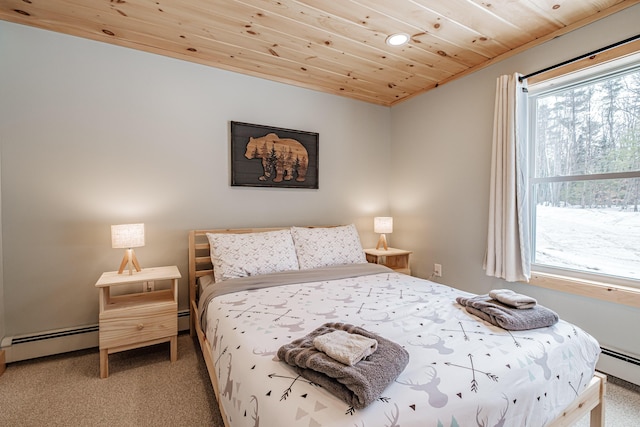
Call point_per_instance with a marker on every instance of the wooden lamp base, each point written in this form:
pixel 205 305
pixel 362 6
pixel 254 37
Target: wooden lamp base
pixel 130 259
pixel 382 241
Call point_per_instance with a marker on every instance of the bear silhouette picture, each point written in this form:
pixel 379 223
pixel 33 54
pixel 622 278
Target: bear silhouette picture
pixel 282 158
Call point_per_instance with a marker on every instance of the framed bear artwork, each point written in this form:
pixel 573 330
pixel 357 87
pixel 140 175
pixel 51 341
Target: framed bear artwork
pixel 266 156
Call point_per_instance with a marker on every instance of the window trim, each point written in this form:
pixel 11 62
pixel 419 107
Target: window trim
pixel 617 54
pixel 589 288
pixel 604 288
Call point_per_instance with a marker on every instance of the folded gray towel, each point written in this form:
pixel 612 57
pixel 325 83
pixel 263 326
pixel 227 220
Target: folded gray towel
pixel 516 300
pixel 358 385
pixel 507 317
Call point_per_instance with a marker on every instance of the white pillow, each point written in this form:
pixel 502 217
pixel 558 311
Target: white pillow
pixel 248 254
pixel 322 247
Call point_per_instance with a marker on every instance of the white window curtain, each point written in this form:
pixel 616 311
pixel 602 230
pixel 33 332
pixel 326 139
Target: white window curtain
pixel 508 242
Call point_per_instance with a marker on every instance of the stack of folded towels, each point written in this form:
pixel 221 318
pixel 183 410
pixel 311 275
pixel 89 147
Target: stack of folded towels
pixel 352 363
pixel 509 310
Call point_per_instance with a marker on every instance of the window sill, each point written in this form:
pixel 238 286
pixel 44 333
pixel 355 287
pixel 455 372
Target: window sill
pixel 603 291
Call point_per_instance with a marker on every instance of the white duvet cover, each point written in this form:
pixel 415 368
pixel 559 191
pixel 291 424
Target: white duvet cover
pixel 462 371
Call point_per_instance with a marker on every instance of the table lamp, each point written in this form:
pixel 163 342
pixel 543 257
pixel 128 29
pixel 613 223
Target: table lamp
pixel 128 236
pixel 382 225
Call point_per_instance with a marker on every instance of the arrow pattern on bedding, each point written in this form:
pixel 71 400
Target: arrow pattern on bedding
pixel 461 371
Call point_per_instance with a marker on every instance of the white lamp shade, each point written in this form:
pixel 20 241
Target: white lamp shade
pixel 127 236
pixel 383 224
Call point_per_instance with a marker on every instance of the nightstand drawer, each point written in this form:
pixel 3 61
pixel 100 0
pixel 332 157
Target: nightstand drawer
pixel 138 325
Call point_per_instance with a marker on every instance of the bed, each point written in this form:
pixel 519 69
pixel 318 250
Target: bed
pixel 461 371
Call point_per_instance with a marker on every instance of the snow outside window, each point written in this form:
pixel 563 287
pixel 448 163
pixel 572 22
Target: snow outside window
pixel 585 175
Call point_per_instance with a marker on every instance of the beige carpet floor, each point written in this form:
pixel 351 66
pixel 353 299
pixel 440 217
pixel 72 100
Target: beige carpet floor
pixel 145 389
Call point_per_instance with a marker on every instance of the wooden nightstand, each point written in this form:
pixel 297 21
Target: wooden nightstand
pixel 137 319
pixel 396 259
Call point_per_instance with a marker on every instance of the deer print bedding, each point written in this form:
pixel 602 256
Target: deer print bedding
pixel 462 371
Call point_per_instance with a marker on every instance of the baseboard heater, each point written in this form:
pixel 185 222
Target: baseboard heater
pixel 53 334
pixel 620 356
pixel 29 346
pixel 614 363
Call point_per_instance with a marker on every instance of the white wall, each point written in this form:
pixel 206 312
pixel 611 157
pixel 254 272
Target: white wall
pixel 441 160
pixel 93 135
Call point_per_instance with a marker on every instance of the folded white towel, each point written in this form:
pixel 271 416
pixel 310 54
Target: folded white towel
pixel 345 347
pixel 513 299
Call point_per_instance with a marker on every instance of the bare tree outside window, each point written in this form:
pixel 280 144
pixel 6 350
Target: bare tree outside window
pixel 585 179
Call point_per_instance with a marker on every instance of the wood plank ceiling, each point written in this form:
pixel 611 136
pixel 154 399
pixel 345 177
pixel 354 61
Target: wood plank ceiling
pixel 334 46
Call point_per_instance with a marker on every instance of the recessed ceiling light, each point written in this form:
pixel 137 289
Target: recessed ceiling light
pixel 397 39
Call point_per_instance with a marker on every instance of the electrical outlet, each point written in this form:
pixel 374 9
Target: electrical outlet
pixel 437 270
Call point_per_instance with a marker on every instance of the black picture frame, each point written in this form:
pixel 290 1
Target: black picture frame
pixel 267 156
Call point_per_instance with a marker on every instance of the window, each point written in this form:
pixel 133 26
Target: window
pixel 585 175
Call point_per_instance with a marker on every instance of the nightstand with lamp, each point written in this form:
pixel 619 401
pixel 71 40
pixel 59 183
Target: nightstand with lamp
pixel 138 319
pixel 396 259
